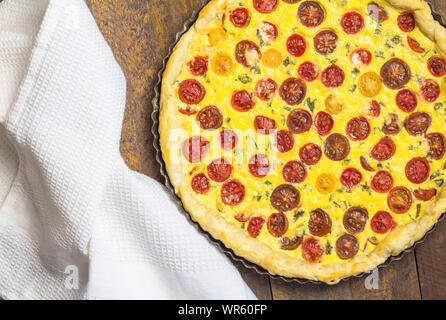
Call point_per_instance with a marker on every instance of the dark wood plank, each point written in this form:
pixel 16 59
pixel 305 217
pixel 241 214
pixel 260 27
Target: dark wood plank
pixel 140 33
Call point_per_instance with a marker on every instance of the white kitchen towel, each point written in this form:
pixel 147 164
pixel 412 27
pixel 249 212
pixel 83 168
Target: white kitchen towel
pixel 75 222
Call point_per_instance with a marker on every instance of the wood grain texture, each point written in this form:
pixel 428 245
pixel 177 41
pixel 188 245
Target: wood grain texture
pixel 140 33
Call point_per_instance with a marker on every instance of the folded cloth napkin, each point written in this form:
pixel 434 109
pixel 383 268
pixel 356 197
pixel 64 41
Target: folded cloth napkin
pixel 75 222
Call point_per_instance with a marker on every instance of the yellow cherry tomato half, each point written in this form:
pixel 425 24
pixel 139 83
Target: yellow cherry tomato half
pixel 369 84
pixel 333 104
pixel 325 183
pixel 222 64
pixel 272 58
pixel 216 36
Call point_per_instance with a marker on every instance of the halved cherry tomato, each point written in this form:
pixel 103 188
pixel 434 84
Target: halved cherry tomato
pixel 272 58
pixel 299 121
pixel 382 182
pixel 406 21
pixel 222 64
pixel 376 12
pixel 187 110
pixel 198 66
pixel 324 123
pixel 399 200
pixel 347 246
pixel 265 6
pixel 336 147
pixel 414 45
pixel 373 109
pixel 352 22
pixel 325 183
pixel 406 100
pixel 240 217
pixel 242 101
pixel 228 139
pixel 311 14
pixel 277 224
pixel 333 104
pixel 395 73
pixel 247 53
pixel 285 141
pixel 361 57
pixel 240 17
pixel 232 193
pixel 255 226
pixel 391 124
pixel 437 66
pixel 308 71
pixel 259 165
pixel 355 219
pixel 325 42
pixel 333 76
pixel 200 183
pixel 351 178
pixel 191 91
pixel 310 154
pixel 417 170
pixel 382 222
pixel 365 164
pixel 293 91
pixel 265 89
pixel 196 148
pixel 437 145
pixel 210 118
pixel 296 45
pixel 358 129
pixel 312 250
pixel 268 31
pixel 294 172
pixel 430 90
pixel 425 194
pixel 417 123
pixel 217 36
pixel 369 84
pixel 219 170
pixel 320 223
pixel 383 150
pixel 290 243
pixel 264 125
pixel 285 198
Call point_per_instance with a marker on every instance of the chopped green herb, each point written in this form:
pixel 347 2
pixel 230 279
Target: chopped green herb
pixel 439 182
pixel 328 248
pixel 298 214
pixel 244 78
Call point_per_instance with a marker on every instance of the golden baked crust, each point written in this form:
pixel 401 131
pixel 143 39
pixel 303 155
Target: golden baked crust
pixel 274 261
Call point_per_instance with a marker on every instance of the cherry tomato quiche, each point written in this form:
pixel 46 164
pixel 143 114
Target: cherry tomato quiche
pixel 309 136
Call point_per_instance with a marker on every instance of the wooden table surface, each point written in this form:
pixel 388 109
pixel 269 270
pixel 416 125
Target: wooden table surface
pixel 140 33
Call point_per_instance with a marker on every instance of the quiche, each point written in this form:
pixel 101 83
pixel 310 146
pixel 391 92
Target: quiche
pixel 308 136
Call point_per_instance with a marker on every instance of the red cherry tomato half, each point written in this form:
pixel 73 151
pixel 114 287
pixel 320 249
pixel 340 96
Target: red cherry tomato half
pixel 417 170
pixel 228 139
pixel 425 194
pixel 293 91
pixel 285 198
pixel 311 14
pixel 407 100
pixel 268 31
pixel 255 226
pixel 376 12
pixel 219 170
pixel 336 147
pixel 210 118
pixel 198 66
pixel 352 22
pixel 382 182
pixel 308 71
pixel 374 109
pixel 264 125
pixel 383 150
pixel 351 177
pixel 259 165
pixel 355 219
pixel 265 89
pixel 437 145
pixel 414 45
pixel 324 123
pixel 382 222
pixel 232 193
pixel 417 123
pixel 285 141
pixel 347 246
pixel 391 125
pixel 296 45
pixel 361 57
pixel 395 73
pixel 358 129
pixel 240 17
pixel 430 90
pixel 320 223
pixel 310 154
pixel 312 251
pixel 277 224
pixel 242 101
pixel 294 172
pixel 247 53
pixel 325 42
pixel 265 6
pixel 196 148
pixel 406 21
pixel 437 66
pixel 333 76
pixel 200 183
pixel 299 121
pixel 191 91
pixel 399 200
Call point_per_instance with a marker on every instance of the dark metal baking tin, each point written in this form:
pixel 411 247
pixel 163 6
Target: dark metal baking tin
pixel 155 118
